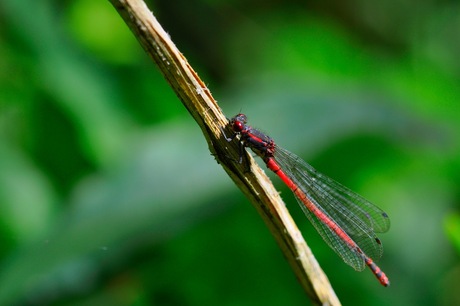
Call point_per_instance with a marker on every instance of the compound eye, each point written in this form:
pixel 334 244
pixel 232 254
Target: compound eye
pixel 238 126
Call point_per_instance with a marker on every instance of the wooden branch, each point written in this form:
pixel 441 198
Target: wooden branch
pixel 198 100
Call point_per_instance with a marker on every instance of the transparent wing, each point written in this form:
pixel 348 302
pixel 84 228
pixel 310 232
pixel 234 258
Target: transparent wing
pixel 356 216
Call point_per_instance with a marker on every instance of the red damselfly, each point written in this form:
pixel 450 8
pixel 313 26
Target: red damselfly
pixel 345 220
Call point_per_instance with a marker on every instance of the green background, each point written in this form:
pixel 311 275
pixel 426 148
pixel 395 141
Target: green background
pixel 109 196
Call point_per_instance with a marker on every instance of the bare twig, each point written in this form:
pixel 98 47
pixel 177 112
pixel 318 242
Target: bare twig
pixel 197 98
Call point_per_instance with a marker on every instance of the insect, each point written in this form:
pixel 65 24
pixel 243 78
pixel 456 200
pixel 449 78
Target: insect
pixel 346 221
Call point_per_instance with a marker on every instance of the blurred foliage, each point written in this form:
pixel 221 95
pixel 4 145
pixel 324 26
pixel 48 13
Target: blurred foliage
pixel 108 195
